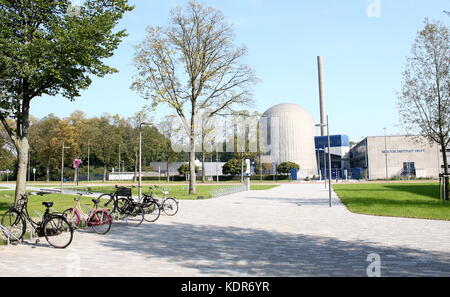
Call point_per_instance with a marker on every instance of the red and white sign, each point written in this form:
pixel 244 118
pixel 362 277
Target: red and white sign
pixel 77 163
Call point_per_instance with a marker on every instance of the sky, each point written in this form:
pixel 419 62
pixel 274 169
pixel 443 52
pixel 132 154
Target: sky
pixel 364 44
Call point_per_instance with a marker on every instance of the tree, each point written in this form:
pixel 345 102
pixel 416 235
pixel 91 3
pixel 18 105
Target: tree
pixel 185 170
pixel 232 167
pixel 169 127
pixel 46 51
pixel 192 65
pixel 7 152
pixel 285 167
pixel 44 151
pixel 424 100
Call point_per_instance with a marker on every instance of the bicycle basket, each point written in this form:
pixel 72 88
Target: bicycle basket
pixel 123 192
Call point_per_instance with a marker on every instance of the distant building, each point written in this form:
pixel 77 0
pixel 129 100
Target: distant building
pixel 211 168
pixel 339 148
pixel 380 157
pixel 290 135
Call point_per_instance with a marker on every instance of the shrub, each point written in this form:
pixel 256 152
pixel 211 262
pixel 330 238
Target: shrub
pixel 286 167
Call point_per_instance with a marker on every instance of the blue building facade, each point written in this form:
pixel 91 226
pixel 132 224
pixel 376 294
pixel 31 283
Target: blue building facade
pixel 339 148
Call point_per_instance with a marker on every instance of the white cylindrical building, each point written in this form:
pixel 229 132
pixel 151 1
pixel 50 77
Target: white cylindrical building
pixel 291 132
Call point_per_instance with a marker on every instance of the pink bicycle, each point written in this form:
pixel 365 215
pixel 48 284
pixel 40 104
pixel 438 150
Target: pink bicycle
pixel 98 219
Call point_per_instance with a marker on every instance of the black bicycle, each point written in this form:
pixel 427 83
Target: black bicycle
pixel 169 205
pixel 124 207
pixel 54 226
pixel 111 200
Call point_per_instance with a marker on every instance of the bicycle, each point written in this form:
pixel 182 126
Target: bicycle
pixel 169 205
pixel 99 219
pixel 130 211
pixel 113 198
pixel 54 226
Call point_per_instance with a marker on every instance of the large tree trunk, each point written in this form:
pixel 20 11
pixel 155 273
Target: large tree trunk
pixel 446 177
pixel 242 170
pixel 22 148
pixel 203 163
pixel 192 174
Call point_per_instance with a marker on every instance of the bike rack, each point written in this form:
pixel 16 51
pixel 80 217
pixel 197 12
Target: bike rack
pixel 7 234
pixel 228 191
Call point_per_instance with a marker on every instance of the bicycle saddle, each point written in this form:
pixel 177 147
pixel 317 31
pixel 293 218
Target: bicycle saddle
pixel 96 201
pixel 47 204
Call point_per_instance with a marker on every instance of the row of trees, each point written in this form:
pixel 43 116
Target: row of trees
pixel 103 141
pixel 234 167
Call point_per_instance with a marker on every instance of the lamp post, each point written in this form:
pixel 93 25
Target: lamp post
pixel 62 164
pixel 120 177
pixel 329 158
pixel 88 156
pixel 140 158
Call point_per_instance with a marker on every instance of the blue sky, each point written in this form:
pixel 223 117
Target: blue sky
pixel 363 54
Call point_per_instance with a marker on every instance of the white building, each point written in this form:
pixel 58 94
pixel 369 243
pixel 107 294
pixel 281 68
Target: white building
pixel 290 136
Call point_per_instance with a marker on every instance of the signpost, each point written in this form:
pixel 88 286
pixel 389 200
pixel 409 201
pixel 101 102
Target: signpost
pixel 76 164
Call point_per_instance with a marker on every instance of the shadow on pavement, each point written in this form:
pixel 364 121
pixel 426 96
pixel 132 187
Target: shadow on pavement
pixel 231 251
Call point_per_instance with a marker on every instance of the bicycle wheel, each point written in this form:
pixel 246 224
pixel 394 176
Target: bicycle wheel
pixel 151 211
pixel 133 214
pixel 122 205
pixel 14 223
pixel 107 201
pixel 170 206
pixel 58 231
pixel 100 221
pixel 73 217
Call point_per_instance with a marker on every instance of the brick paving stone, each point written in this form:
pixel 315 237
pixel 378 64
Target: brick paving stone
pixel 256 233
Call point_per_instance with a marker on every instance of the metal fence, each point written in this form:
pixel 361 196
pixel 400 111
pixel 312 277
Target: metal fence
pixel 228 190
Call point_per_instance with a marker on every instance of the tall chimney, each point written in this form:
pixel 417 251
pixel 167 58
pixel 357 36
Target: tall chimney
pixel 323 113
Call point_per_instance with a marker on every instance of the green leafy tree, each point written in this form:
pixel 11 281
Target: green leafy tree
pixel 424 101
pixel 232 167
pixel 46 51
pixel 184 169
pixel 285 167
pixel 192 65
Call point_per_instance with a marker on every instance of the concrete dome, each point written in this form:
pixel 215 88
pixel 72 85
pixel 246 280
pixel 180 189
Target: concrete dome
pixel 292 130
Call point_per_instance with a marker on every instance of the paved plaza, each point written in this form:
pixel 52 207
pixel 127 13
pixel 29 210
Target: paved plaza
pixel 285 231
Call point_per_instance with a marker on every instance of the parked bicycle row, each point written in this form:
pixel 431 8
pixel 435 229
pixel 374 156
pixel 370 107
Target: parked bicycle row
pixel 58 227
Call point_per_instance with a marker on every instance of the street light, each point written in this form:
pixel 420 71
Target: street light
pixel 329 159
pixel 62 164
pixel 140 157
pixel 88 161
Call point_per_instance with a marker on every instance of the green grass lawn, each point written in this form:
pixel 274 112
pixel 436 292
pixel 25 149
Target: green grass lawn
pixel 62 202
pixel 398 200
pixel 180 191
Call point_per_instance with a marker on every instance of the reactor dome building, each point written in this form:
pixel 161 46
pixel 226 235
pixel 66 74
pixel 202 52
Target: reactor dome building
pixel 290 137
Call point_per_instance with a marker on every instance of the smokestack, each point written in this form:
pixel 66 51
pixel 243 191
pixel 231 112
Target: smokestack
pixel 323 113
